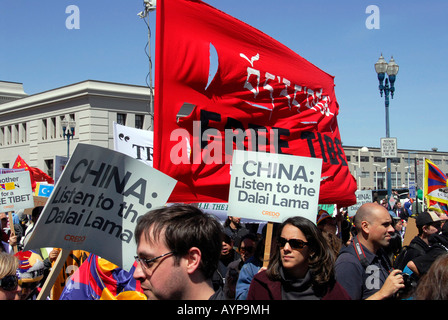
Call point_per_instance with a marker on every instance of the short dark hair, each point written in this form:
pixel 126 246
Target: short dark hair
pixel 185 226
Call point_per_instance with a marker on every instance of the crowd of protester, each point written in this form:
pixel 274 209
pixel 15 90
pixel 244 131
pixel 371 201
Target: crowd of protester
pixel 184 253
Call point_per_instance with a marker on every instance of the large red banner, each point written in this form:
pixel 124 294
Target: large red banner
pixel 249 92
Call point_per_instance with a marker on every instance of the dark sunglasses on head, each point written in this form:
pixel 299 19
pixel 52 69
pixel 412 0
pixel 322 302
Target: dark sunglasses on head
pixel 9 283
pixel 293 243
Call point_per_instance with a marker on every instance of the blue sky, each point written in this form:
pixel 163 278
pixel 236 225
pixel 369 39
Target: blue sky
pixel 39 51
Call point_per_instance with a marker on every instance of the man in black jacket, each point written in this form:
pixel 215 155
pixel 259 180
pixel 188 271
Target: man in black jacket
pixel 438 246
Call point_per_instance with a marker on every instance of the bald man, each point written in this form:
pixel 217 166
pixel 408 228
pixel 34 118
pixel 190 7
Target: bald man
pixel 363 267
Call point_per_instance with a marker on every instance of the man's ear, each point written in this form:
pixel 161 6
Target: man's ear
pixel 193 257
pixel 365 227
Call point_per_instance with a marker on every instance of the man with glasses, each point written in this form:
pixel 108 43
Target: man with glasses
pixel 178 249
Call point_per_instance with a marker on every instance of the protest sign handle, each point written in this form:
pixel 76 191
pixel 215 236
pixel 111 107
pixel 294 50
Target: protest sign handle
pixel 267 245
pixel 55 270
pixel 13 232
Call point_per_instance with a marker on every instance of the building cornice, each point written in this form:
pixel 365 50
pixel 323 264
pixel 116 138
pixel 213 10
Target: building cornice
pixel 74 91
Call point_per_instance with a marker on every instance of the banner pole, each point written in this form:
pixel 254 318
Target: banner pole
pixel 267 246
pixel 55 270
pixel 11 226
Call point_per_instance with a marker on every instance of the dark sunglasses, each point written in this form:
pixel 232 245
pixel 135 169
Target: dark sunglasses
pixel 9 283
pixel 437 225
pixel 247 249
pixel 293 243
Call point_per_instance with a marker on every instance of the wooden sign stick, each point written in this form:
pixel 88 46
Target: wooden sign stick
pixel 267 246
pixel 11 226
pixel 55 270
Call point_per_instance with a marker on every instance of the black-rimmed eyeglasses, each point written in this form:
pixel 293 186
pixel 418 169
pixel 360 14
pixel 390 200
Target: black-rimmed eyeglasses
pixel 148 263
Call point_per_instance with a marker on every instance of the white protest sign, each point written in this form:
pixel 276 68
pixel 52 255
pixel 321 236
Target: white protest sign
pixel 136 143
pixel 219 210
pixel 59 164
pixel 274 187
pixel 96 203
pixel 362 196
pixel 16 192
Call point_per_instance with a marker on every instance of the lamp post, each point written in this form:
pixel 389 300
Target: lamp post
pixel 363 149
pixel 68 130
pixel 391 68
pixel 376 175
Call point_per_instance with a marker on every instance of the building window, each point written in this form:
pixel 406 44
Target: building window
pixel 23 133
pixel 379 159
pixel 363 158
pixel 139 121
pixel 380 180
pixel 61 132
pixel 49 167
pixel 396 179
pixel 121 118
pixel 44 129
pixel 410 177
pixel 53 128
pixel 365 174
pixel 15 134
pixel 8 135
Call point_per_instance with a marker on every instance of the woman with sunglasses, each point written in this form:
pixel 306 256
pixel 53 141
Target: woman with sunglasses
pixel 301 267
pixel 9 282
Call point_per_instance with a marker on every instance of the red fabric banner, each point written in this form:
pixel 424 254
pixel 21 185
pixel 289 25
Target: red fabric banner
pixel 36 174
pixel 249 92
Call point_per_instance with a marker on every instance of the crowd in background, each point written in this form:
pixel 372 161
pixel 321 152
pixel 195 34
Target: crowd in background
pixel 335 257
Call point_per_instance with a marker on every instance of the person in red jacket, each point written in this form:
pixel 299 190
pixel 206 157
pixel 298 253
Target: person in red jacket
pixel 301 268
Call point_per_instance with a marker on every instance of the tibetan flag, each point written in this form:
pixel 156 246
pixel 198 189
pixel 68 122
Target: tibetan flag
pixel 75 259
pixel 223 85
pixel 435 183
pixel 99 279
pixel 439 207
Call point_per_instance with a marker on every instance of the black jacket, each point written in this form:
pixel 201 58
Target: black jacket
pixel 438 245
pixel 416 248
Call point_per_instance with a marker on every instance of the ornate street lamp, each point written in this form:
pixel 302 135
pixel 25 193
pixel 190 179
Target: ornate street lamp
pixel 391 68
